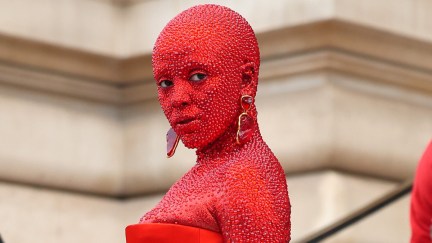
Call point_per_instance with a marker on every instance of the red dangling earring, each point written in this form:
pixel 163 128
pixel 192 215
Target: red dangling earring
pixel 172 141
pixel 245 121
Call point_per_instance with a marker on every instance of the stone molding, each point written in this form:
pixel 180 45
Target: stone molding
pixel 325 45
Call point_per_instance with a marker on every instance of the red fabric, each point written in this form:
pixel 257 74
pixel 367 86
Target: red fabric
pixel 169 233
pixel 421 200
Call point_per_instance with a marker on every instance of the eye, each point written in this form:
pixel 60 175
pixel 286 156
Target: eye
pixel 166 83
pixel 198 77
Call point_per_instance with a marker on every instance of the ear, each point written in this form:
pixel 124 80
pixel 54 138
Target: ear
pixel 249 77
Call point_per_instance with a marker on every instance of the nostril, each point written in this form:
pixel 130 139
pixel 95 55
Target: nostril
pixel 179 104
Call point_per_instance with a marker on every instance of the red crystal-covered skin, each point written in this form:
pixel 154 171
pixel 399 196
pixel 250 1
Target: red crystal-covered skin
pixel 204 60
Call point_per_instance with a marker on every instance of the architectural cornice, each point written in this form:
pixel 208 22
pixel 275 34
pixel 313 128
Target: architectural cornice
pixel 333 45
pixel 58 61
pixel 350 37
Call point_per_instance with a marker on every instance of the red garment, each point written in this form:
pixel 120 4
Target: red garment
pixel 421 200
pixel 169 233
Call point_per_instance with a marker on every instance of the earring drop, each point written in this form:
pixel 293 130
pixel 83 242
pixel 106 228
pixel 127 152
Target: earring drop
pixel 245 121
pixel 172 141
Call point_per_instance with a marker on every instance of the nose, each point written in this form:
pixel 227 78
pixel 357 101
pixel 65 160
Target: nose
pixel 181 96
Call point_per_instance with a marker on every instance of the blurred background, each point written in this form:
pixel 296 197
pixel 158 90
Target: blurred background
pixel 344 101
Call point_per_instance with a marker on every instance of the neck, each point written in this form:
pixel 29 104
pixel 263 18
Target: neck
pixel 225 147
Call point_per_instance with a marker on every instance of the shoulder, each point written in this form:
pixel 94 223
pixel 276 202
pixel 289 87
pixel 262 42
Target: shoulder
pixel 253 202
pixel 254 171
pixel 248 179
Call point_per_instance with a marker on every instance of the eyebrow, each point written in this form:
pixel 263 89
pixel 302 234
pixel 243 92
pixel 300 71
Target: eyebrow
pixel 166 70
pixel 160 73
pixel 195 63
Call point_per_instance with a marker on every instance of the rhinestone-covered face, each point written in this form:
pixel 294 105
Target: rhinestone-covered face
pixel 198 64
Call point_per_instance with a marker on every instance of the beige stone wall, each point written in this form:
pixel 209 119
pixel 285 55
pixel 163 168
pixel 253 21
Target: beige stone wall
pixel 60 142
pixel 84 24
pixel 125 28
pixel 344 101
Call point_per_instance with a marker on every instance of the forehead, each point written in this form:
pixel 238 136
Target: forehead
pixel 176 57
pixel 173 52
pixel 191 39
pixel 199 35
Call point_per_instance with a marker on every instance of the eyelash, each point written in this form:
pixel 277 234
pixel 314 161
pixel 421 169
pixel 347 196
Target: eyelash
pixel 198 73
pixel 165 83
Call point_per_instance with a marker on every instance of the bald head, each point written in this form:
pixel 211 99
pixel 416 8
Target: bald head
pixel 215 31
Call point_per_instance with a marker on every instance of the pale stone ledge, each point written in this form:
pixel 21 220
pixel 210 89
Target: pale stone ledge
pixel 326 45
pixel 124 28
pixel 60 84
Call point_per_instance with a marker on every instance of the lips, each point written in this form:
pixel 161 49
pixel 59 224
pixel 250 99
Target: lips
pixel 184 121
pixel 185 124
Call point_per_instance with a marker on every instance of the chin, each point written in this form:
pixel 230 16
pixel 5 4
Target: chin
pixel 190 141
pixel 193 141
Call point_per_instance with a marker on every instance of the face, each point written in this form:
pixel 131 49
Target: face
pixel 199 96
pixel 198 64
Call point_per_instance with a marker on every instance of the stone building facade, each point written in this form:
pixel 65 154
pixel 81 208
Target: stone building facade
pixel 344 101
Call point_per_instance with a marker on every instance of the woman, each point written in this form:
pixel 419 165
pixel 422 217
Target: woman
pixel 206 63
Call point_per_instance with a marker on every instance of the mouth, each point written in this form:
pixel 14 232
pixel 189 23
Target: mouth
pixel 186 125
pixel 185 121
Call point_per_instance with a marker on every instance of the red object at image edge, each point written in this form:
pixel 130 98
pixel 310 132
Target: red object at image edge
pixel 421 200
pixel 169 233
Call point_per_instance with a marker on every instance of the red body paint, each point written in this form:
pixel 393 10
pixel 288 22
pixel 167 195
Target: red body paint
pixel 204 60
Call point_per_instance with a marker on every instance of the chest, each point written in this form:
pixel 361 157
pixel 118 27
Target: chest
pixel 190 201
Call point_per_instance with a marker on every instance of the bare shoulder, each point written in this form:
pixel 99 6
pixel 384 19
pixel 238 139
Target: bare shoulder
pixel 254 200
pixel 264 167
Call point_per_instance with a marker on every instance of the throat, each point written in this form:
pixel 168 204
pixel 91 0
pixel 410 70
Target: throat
pixel 224 148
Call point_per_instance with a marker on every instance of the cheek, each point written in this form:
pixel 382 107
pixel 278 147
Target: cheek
pixel 221 105
pixel 165 104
